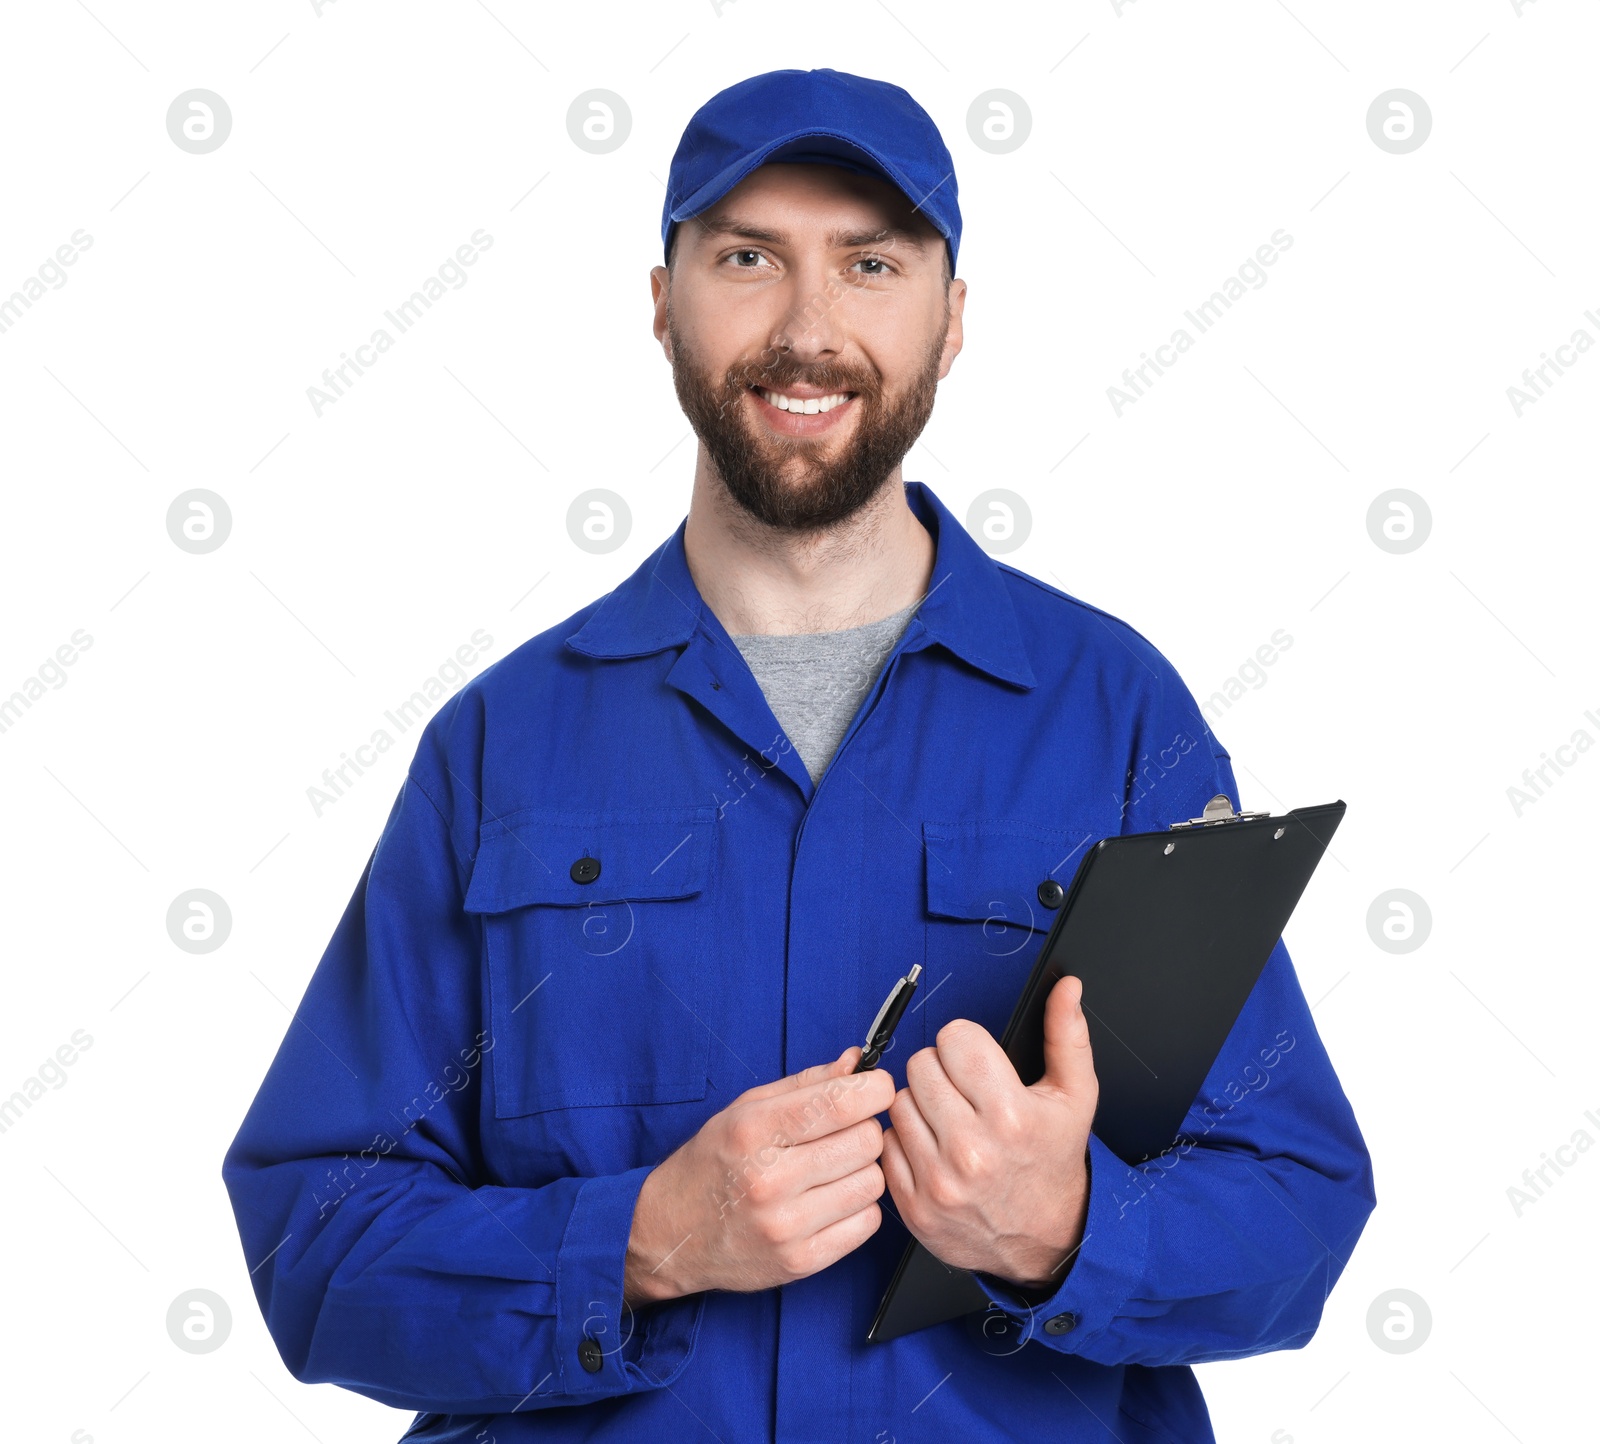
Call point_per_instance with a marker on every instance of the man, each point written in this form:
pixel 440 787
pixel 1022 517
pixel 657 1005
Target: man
pixel 562 1143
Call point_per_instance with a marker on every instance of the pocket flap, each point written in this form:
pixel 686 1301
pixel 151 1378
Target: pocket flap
pixel 992 870
pixel 528 856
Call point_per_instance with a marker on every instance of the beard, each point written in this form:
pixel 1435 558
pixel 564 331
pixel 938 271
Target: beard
pixel 789 483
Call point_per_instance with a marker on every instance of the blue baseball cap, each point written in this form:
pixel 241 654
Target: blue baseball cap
pixel 818 116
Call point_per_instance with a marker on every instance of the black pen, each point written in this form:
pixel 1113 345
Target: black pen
pixel 884 1024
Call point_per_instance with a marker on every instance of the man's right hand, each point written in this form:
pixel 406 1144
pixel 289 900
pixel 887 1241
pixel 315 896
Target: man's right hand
pixel 781 1183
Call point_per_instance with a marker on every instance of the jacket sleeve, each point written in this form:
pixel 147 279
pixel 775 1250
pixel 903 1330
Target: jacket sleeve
pixel 1228 1244
pixel 383 1256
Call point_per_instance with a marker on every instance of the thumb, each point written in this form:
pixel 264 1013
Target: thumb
pixel 1068 1057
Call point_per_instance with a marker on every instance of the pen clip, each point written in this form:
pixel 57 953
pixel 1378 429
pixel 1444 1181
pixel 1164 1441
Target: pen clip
pixel 909 981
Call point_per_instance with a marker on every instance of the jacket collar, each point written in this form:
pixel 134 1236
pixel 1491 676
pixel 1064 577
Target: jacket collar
pixel 967 608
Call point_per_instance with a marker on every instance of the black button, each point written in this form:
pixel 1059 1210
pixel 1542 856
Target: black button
pixel 1061 1324
pixel 1051 893
pixel 590 1357
pixel 586 869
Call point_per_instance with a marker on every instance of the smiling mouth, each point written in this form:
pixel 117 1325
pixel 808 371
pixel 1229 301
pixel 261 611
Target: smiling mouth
pixel 803 405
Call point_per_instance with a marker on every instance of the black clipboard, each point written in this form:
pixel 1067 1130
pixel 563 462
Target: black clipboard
pixel 1169 932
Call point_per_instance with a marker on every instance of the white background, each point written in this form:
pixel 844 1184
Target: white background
pixel 367 544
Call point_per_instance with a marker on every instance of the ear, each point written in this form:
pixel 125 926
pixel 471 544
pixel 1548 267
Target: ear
pixel 953 332
pixel 660 284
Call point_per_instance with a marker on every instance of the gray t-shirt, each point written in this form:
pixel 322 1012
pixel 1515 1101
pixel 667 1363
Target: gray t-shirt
pixel 815 682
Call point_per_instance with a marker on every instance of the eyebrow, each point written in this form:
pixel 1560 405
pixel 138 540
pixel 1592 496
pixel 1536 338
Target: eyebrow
pixel 721 225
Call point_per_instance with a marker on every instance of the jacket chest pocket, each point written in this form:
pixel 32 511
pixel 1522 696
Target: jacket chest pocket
pixel 994 890
pixel 596 931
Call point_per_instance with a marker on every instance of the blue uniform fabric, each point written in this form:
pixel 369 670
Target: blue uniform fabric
pixel 435 1184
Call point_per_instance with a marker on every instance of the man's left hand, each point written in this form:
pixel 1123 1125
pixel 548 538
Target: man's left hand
pixel 987 1173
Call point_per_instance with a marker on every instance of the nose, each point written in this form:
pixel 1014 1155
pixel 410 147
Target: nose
pixel 811 328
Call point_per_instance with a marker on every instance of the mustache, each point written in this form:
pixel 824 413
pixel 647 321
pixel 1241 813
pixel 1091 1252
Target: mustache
pixel 825 375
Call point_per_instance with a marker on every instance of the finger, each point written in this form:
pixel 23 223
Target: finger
pixel 978 1067
pixel 898 1175
pixel 940 1102
pixel 826 1205
pixel 816 1109
pixel 1068 1055
pixel 821 1160
pixel 846 1236
pixel 839 1067
pixel 917 1142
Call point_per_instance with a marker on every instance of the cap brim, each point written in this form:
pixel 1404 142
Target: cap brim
pixel 825 147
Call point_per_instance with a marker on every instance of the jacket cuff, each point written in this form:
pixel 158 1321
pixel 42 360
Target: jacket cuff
pixel 1104 1271
pixel 602 1346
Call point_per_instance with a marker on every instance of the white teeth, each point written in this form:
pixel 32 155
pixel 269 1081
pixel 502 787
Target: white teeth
pixel 809 406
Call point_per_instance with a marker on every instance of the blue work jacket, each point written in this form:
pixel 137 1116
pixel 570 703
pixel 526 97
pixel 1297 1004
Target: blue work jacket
pixel 436 1182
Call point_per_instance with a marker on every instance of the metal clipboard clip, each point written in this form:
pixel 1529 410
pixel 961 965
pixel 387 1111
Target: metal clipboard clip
pixel 1218 810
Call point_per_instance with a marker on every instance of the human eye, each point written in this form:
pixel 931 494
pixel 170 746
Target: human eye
pixel 873 266
pixel 747 258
